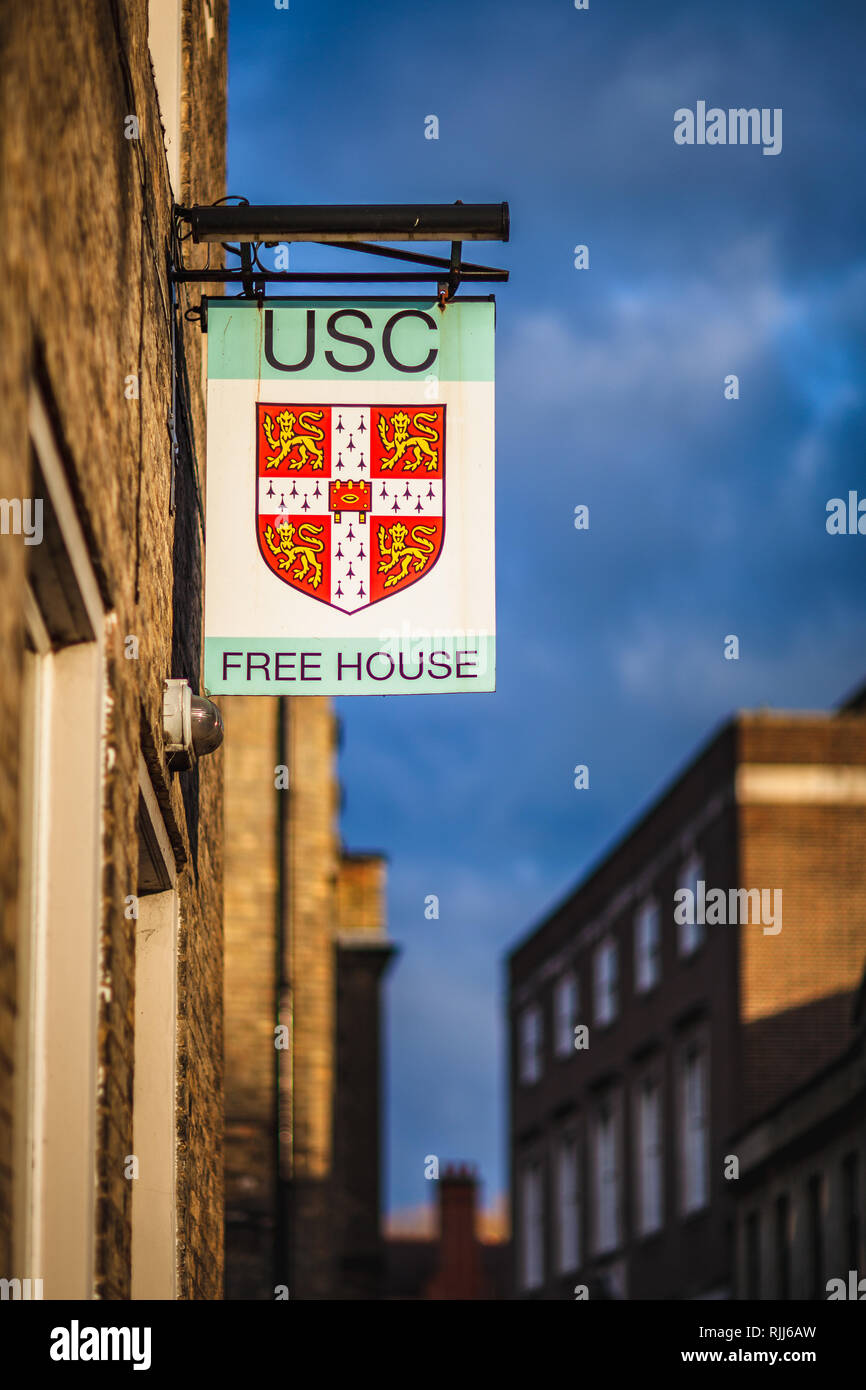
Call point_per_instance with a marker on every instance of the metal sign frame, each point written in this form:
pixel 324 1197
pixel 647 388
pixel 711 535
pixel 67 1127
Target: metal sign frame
pixel 348 228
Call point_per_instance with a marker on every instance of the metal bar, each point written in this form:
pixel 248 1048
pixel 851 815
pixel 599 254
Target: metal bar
pixel 439 261
pixel 247 269
pixel 237 277
pixel 347 222
pixel 455 268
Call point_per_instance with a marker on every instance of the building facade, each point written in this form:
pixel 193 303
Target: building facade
pixel 800 1194
pixel 306 953
pixel 111 872
pixel 644 1034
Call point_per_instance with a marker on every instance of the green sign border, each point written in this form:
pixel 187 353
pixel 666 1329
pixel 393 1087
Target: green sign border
pixel 466 340
pixel 366 665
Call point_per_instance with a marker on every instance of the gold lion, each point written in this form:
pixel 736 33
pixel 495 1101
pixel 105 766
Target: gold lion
pixel 287 440
pixel 393 546
pixel 308 546
pixel 402 441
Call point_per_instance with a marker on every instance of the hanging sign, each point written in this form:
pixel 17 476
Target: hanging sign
pixel 349 520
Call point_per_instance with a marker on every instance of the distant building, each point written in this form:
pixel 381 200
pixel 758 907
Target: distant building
pixel 455 1264
pixel 693 1028
pixel 306 951
pixel 802 1174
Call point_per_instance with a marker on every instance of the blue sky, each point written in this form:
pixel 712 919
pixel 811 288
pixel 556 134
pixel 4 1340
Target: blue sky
pixel 706 515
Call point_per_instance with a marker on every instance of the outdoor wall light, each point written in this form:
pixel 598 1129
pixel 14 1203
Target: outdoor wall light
pixel 192 725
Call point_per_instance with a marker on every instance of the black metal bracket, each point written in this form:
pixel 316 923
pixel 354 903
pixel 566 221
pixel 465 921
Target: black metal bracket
pixel 347 229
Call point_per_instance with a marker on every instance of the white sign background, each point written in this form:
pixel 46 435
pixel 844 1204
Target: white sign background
pixel 249 608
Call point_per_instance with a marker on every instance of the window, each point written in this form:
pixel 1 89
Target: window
pixel 565 1014
pixel 56 1040
pixel 530 1044
pixel 753 1255
pixel 209 23
pixel 649 1152
pixel 532 1227
pixel 815 1232
pixel 783 1246
pixel 606 1178
pixel 647 947
pixel 695 1131
pixel 154 1233
pixel 851 1210
pixel 164 23
pixel 691 934
pixel 606 982
pixel 567 1206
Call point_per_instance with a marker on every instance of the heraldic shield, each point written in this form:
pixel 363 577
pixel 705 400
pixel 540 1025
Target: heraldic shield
pixel 350 500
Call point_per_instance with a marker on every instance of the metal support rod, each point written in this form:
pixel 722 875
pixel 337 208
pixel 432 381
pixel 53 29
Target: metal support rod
pixel 247 269
pixel 440 261
pixel 454 270
pixel 237 277
pixel 346 222
pixel 347 228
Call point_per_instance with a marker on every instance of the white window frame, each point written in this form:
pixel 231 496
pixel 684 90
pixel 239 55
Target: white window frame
pixel 605 969
pixel 565 1009
pixel 649 1135
pixel 154 1106
pixel 694 1128
pixel 691 934
pixel 60 912
pixel 607 1178
pixel 532 1226
pixel 164 37
pixel 647 946
pixel 568 1199
pixel 530 1031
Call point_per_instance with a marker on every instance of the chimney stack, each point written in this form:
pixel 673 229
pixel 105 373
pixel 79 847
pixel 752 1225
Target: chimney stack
pixel 459 1275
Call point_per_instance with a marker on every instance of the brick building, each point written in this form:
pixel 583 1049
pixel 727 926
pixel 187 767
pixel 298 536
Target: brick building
pixel 619 1134
pixel 110 878
pixel 800 1195
pixel 306 951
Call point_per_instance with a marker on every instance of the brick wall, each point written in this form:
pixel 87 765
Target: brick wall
pixel 796 987
pixel 363 955
pixel 85 228
pixel 312 876
pixel 361 895
pixel 251 905
pixel 304 1212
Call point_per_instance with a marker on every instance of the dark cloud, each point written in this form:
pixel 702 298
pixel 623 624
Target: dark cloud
pixel 707 516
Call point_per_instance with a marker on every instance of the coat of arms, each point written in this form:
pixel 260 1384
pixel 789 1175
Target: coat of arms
pixel 350 500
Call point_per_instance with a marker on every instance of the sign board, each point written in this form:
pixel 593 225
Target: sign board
pixel 349 517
